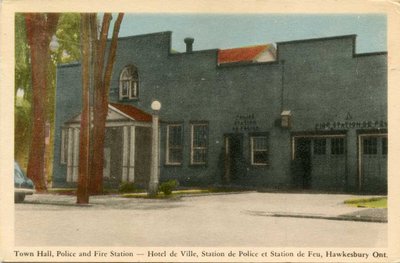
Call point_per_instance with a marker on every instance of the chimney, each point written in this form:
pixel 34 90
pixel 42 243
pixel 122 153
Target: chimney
pixel 189 44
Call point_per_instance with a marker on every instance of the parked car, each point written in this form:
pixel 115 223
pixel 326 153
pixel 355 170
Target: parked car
pixel 22 184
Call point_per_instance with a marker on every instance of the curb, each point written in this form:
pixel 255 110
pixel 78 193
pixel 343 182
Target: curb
pixel 316 216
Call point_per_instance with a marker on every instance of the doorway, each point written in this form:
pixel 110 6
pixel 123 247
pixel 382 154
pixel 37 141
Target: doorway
pixel 233 155
pixel 303 163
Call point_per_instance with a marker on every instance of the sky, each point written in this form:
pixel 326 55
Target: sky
pixel 223 31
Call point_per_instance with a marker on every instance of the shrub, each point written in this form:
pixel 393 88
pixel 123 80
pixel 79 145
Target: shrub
pixel 168 186
pixel 127 188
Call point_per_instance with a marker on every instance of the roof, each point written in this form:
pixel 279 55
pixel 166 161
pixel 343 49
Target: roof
pixel 244 54
pixel 132 112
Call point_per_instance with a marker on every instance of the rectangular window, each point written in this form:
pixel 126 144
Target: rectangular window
pixel 337 146
pixel 384 146
pixel 370 145
pixel 199 139
pixel 320 146
pixel 174 144
pixel 259 150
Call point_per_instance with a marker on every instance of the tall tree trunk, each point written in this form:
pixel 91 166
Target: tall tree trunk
pixel 102 87
pixel 40 27
pixel 84 140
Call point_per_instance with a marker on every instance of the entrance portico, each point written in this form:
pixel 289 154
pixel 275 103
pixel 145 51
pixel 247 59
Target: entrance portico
pixel 127 146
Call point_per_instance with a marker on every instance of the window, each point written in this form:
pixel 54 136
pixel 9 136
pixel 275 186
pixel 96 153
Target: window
pixel 370 145
pixel 319 146
pixel 384 146
pixel 174 144
pixel 337 146
pixel 199 138
pixel 259 150
pixel 129 83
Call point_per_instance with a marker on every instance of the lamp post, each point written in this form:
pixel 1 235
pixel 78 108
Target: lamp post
pixel 155 169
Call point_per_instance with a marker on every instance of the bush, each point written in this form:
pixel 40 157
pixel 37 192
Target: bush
pixel 168 187
pixel 127 188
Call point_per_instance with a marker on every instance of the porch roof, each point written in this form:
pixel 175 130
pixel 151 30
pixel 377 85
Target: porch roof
pixel 117 113
pixel 132 112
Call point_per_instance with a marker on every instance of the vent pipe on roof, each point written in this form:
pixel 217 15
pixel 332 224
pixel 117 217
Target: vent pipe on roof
pixel 189 44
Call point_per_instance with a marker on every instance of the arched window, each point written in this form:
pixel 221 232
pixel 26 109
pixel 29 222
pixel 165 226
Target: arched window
pixel 129 83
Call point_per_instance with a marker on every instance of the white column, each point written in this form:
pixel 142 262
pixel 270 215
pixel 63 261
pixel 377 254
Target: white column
pixel 70 135
pixel 125 154
pixel 131 176
pixel 75 162
pixel 155 173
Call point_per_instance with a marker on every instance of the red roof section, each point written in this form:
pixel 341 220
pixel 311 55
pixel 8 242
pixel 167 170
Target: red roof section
pixel 240 54
pixel 133 112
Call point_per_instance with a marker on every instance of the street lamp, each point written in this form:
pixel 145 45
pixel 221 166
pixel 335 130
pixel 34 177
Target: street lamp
pixel 155 168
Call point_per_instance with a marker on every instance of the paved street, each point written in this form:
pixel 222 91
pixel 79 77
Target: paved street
pixel 218 220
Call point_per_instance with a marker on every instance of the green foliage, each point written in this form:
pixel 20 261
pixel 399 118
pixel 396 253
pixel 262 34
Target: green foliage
pixel 22 57
pixel 127 188
pixel 168 186
pixel 68 37
pixel 374 202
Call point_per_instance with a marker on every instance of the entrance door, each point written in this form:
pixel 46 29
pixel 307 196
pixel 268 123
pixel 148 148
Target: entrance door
pixel 303 163
pixel 232 157
pixel 107 162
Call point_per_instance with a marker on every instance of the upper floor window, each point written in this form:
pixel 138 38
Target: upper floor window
pixel 129 83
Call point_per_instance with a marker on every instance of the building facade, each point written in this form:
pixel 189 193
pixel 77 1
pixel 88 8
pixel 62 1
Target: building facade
pixel 308 114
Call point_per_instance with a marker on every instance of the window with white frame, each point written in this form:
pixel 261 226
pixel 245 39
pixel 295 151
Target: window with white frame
pixel 129 83
pixel 259 149
pixel 199 141
pixel 174 144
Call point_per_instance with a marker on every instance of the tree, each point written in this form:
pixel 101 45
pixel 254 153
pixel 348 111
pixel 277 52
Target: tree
pixel 68 35
pixel 40 27
pixel 96 70
pixel 22 92
pixel 102 79
pixel 88 35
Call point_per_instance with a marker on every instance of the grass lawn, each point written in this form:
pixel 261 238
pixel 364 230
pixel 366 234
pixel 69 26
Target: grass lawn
pixel 141 193
pixel 179 193
pixel 374 202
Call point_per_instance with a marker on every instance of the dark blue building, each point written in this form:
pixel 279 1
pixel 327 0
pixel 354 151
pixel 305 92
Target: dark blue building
pixel 301 114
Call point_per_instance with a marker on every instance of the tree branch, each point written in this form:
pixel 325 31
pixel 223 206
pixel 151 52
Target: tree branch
pixel 112 53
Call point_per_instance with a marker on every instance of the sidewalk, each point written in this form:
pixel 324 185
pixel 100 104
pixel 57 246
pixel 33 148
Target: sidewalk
pixel 377 215
pixel 324 206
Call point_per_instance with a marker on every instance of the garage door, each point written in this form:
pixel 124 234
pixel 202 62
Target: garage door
pixel 373 162
pixel 320 162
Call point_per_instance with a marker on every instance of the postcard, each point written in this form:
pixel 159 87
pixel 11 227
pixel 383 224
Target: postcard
pixel 199 131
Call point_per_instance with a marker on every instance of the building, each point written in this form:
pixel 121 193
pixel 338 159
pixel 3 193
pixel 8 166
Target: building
pixel 301 114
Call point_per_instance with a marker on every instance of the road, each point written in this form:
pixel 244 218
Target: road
pixel 208 221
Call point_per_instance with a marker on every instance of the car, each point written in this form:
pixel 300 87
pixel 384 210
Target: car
pixel 22 184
